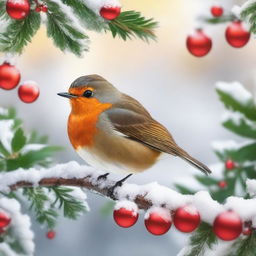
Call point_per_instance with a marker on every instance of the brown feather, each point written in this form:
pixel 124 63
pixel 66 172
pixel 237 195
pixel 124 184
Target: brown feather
pixel 130 118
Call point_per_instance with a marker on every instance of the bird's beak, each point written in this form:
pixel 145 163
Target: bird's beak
pixel 67 95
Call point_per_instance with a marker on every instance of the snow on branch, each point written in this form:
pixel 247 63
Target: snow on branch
pixel 145 196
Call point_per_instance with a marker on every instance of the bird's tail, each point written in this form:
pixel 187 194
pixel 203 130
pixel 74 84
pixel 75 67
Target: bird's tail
pixel 202 167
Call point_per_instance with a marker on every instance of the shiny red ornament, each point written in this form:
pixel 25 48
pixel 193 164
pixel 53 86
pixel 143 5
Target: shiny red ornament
pixel 222 184
pixel 230 165
pixel 186 219
pixel 109 12
pixel 217 10
pixel 4 220
pixel 158 222
pixel 236 35
pixel 125 218
pixel 51 234
pixel 18 9
pixel 228 226
pixel 28 92
pixel 199 44
pixel 9 76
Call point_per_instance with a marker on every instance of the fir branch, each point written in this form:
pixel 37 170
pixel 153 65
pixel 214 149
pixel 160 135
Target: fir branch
pixel 202 239
pixel 249 14
pixel 64 34
pixel 72 208
pixel 131 24
pixel 19 33
pixel 217 20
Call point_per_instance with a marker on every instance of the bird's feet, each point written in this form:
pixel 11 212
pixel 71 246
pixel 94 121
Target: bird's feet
pixel 119 183
pixel 103 176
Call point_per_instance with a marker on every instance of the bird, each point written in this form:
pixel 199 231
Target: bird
pixel 112 131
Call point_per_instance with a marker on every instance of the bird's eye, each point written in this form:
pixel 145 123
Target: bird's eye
pixel 88 94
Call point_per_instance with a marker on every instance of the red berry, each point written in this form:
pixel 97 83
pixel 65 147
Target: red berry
pixel 247 231
pixel 9 76
pixel 228 226
pixel 186 219
pixel 199 44
pixel 222 184
pixel 125 218
pixel 230 165
pixel 38 9
pixel 236 35
pixel 109 12
pixel 158 221
pixel 217 10
pixel 4 220
pixel 18 9
pixel 44 8
pixel 28 92
pixel 51 234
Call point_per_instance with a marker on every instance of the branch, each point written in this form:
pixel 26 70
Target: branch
pixel 145 196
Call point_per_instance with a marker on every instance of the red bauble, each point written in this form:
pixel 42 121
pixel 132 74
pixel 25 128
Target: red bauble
pixel 228 226
pixel 236 35
pixel 51 234
pixel 217 10
pixel 247 231
pixel 109 12
pixel 222 184
pixel 38 8
pixel 9 76
pixel 18 9
pixel 44 8
pixel 158 221
pixel 4 220
pixel 28 92
pixel 186 219
pixel 125 218
pixel 230 165
pixel 199 44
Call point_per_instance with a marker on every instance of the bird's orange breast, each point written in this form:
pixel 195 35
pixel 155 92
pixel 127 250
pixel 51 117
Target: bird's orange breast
pixel 82 125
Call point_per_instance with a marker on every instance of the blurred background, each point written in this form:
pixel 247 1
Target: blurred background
pixel 177 88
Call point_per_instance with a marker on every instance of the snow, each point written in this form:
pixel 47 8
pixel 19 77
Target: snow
pixel 32 147
pixel 96 5
pixel 251 187
pixel 236 10
pixel 131 206
pixel 3 111
pixel 164 213
pixel 222 146
pixel 236 91
pixel 5 133
pixel 20 224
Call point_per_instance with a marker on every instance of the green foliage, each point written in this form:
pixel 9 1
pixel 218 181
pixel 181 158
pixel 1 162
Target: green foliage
pixel 218 20
pixel 64 32
pixel 248 109
pixel 201 239
pixel 249 14
pixel 19 33
pixel 18 140
pixel 131 24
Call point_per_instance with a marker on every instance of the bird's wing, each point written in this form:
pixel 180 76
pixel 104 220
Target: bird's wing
pixel 130 118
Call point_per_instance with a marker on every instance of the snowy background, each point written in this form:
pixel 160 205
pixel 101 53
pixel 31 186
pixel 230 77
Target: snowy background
pixel 177 88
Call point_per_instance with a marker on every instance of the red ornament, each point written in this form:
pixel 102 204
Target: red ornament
pixel 4 220
pixel 222 184
pixel 247 231
pixel 9 76
pixel 110 12
pixel 186 219
pixel 236 35
pixel 230 165
pixel 158 221
pixel 18 9
pixel 44 8
pixel 199 44
pixel 217 10
pixel 38 8
pixel 51 234
pixel 28 92
pixel 228 226
pixel 125 218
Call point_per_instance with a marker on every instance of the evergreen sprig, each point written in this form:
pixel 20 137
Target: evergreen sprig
pixel 249 14
pixel 131 24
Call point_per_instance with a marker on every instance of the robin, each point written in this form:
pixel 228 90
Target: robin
pixel 114 132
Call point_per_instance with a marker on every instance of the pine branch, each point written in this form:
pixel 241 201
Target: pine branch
pixel 131 24
pixel 217 20
pixel 65 35
pixel 249 14
pixel 19 33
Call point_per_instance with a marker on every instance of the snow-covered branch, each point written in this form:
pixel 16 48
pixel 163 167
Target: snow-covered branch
pixel 145 196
